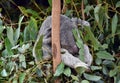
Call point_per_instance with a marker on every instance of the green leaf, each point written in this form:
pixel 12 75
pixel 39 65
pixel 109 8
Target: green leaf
pixel 22 77
pixel 68 1
pixel 91 37
pixel 1 29
pixel 4 73
pixel 114 24
pixel 17 32
pixel 67 72
pixel 50 2
pixel 81 51
pixel 8 47
pixel 24 48
pixel 96 68
pixel 80 70
pixel 98 61
pixel 105 46
pixel 10 66
pixel 22 61
pixel 1 45
pixel 23 10
pixel 96 12
pixel 113 72
pixel 104 55
pixel 30 32
pixel 32 12
pixel 92 77
pixel 60 69
pixel 10 35
pixel 75 78
pixel 1 20
pixel 15 81
pixel 37 49
pixel 85 81
pixel 118 4
pixel 79 43
pixel 88 8
pixel 105 70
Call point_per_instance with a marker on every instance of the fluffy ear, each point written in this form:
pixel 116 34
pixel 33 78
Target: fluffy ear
pixel 78 21
pixel 71 61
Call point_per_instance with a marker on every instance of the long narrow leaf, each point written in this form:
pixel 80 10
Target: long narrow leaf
pixel 17 32
pixel 114 24
pixel 10 35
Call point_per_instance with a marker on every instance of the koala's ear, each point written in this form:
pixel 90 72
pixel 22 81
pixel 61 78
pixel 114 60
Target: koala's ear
pixel 78 21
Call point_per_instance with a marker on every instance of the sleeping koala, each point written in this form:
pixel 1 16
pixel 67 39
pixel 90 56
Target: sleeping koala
pixel 67 40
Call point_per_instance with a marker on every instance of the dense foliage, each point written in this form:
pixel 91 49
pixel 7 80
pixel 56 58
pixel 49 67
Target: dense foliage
pixel 19 25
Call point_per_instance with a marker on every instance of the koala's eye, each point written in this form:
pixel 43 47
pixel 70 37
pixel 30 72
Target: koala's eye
pixel 63 52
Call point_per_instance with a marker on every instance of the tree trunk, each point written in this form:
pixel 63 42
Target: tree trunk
pixel 56 35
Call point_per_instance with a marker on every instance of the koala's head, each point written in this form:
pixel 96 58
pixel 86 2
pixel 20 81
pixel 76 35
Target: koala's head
pixel 67 38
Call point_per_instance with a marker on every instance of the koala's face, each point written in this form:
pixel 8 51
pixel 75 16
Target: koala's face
pixel 67 38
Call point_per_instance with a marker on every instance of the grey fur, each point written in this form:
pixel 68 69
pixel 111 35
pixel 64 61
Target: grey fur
pixel 66 37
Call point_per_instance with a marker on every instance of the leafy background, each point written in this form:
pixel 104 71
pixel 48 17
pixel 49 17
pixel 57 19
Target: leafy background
pixel 20 22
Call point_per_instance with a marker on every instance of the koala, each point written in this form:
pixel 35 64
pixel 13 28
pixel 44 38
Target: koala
pixel 67 40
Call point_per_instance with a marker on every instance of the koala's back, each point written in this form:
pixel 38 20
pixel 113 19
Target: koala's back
pixel 47 24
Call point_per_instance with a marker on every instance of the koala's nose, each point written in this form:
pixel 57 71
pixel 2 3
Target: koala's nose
pixel 75 49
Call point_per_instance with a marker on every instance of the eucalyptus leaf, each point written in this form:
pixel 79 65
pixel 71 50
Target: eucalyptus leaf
pixel 96 44
pixel 114 24
pixel 118 4
pixel 96 68
pixel 17 32
pixel 8 47
pixel 23 10
pixel 80 70
pixel 98 61
pixel 32 12
pixel 85 81
pixel 31 30
pixel 22 61
pixel 92 77
pixel 10 34
pixel 74 77
pixel 113 72
pixel 67 72
pixel 50 2
pixel 14 81
pixel 96 12
pixel 105 70
pixel 22 77
pixel 104 55
pixel 59 70
pixel 4 73
pixel 68 1
pixel 1 46
pixel 1 29
pixel 37 49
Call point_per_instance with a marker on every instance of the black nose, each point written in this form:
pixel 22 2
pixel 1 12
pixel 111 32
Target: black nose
pixel 74 50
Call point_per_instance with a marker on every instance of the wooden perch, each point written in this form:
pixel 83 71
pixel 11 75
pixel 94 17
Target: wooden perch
pixel 56 33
